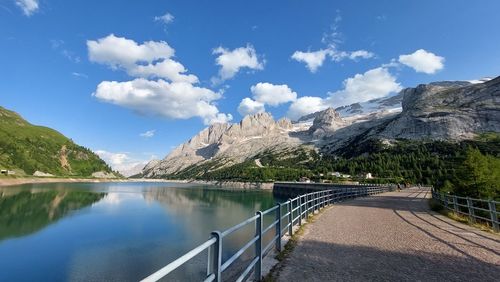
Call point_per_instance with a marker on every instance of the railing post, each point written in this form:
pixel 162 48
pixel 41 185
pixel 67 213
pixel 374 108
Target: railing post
pixel 307 206
pixel 215 256
pixel 258 246
pixel 278 228
pixel 445 201
pixel 493 216
pixel 315 202
pixel 455 206
pixel 470 206
pixel 290 218
pixel 300 210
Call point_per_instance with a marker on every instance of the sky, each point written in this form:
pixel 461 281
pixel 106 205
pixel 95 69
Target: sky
pixel 131 80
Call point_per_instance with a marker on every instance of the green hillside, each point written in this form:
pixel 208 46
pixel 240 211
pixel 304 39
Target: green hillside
pixel 31 148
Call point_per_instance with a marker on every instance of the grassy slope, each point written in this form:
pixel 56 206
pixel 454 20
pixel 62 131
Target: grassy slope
pixel 30 148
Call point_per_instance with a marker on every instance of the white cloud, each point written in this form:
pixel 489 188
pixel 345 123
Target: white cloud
pixel 166 19
pixel 149 60
pixel 122 162
pixel 179 100
pixel 231 61
pixel 333 38
pixel 119 52
pixel 148 134
pixel 113 159
pixel 304 106
pixel 168 69
pixel 29 7
pixel 360 54
pixel 218 118
pixel 174 93
pixel 313 60
pixel 423 61
pixel 249 107
pixel 374 83
pixel 271 94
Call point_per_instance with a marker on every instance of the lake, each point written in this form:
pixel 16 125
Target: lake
pixel 117 231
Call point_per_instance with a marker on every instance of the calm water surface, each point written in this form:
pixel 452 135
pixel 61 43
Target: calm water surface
pixel 116 231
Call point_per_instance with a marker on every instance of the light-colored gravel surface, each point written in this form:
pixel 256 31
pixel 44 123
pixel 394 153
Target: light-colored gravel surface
pixel 392 237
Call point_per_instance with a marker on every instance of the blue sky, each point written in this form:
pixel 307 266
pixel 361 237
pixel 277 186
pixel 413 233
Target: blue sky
pixel 105 72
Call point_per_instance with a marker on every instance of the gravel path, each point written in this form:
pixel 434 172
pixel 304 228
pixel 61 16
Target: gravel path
pixel 392 237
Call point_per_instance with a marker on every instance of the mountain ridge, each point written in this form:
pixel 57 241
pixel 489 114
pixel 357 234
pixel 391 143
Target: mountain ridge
pixel 39 150
pixel 472 109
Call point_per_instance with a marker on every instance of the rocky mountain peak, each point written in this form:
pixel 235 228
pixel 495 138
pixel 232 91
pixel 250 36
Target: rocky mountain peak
pixel 447 111
pixel 257 120
pixel 326 121
pixel 285 123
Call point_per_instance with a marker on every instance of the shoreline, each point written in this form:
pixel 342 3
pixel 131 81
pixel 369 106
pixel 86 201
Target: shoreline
pixel 5 182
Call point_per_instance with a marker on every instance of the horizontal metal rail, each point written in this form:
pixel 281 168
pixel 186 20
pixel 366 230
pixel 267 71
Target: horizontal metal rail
pixel 300 207
pixel 487 212
pixel 180 261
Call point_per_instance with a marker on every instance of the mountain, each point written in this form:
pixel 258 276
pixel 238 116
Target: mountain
pixel 228 144
pixel 443 111
pixel 29 149
pixel 446 111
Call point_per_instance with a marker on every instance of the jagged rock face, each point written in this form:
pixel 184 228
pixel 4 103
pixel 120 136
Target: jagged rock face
pixel 326 122
pixel 443 110
pixel 231 142
pixel 447 111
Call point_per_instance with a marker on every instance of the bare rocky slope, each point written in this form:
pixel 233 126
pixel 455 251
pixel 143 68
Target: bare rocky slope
pixel 436 111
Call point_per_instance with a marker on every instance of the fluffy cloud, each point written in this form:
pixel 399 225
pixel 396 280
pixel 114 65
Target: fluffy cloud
pixel 180 100
pixel 121 52
pixel 148 134
pixel 315 59
pixel 231 61
pixel 374 83
pixel 304 106
pixel 122 162
pixel 263 94
pixel 423 61
pixel 29 7
pixel 166 19
pixel 360 54
pixel 249 107
pixel 173 95
pixel 271 94
pixel 149 60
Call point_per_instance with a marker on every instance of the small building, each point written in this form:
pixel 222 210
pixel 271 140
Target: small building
pixel 335 173
pixel 305 180
pixel 7 172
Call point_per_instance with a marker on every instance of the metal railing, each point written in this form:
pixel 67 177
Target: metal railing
pixel 475 209
pixel 293 212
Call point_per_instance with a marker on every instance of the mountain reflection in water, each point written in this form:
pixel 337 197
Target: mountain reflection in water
pixel 118 231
